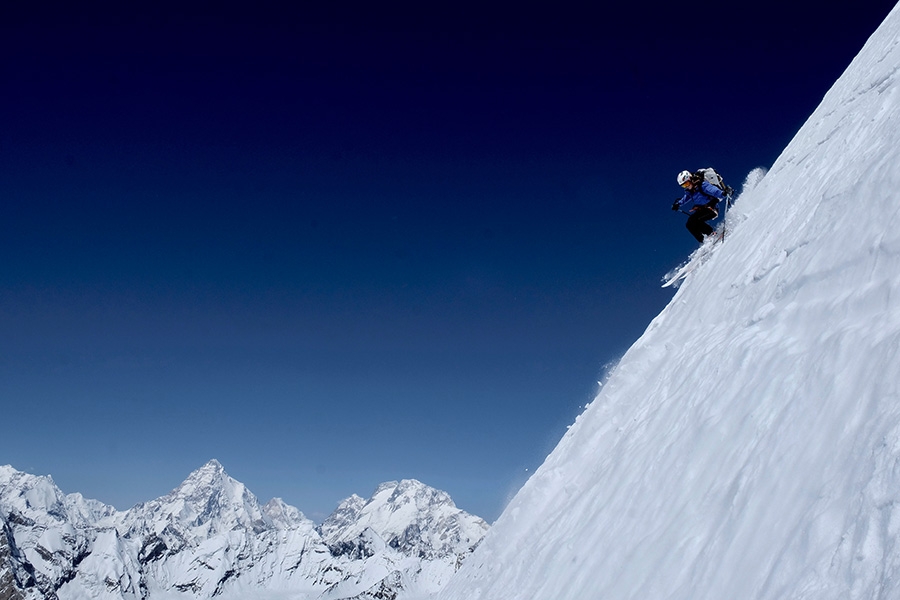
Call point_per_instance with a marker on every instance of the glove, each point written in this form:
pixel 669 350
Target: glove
pixel 676 205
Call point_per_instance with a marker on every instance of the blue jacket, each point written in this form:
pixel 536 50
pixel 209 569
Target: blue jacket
pixel 695 197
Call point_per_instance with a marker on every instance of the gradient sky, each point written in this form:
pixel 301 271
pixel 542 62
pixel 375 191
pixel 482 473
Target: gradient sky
pixel 331 250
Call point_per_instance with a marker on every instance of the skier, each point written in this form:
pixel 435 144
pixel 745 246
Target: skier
pixel 702 198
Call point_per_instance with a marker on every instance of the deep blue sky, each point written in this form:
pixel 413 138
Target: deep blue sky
pixel 334 249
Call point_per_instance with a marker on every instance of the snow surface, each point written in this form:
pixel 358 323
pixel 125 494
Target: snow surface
pixel 748 444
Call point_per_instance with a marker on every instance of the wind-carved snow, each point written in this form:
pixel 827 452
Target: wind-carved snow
pixel 748 444
pixel 210 537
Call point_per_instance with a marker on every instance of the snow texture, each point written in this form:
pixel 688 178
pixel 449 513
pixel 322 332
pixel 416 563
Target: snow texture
pixel 748 444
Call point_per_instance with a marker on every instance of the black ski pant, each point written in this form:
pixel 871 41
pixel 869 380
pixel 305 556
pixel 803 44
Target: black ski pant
pixel 697 222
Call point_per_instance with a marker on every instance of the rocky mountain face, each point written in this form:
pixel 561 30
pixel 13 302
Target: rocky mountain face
pixel 211 538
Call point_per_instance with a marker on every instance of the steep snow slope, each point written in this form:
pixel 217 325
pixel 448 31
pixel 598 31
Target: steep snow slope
pixel 748 444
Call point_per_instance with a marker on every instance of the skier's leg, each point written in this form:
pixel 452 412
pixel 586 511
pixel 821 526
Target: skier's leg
pixel 697 227
pixel 703 215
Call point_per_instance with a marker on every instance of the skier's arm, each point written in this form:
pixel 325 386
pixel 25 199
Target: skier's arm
pixel 711 190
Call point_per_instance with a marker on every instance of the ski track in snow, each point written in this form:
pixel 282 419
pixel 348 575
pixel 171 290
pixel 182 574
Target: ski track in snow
pixel 748 444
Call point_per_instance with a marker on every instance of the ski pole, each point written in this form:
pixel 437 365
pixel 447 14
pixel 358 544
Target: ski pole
pixel 725 215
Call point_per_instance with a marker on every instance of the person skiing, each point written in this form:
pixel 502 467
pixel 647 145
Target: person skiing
pixel 701 197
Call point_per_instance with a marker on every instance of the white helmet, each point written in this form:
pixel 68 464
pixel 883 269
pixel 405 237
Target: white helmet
pixel 684 177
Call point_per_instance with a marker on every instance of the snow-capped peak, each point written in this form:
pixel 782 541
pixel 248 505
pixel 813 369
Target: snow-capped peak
pixel 343 516
pixel 285 516
pixel 209 537
pixel 410 516
pixel 209 501
pixel 31 496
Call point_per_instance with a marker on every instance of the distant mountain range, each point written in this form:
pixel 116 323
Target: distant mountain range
pixel 211 538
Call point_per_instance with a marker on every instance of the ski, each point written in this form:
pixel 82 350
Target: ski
pixel 697 258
